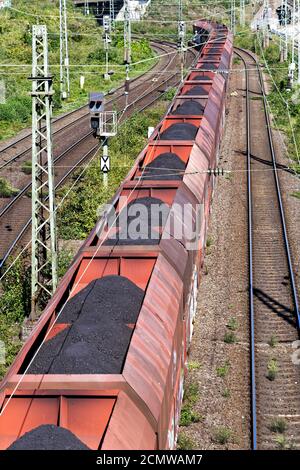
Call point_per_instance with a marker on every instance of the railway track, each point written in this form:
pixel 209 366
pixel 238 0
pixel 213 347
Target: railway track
pixel 15 213
pixel 273 303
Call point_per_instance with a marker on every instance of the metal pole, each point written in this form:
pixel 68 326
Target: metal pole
pixel 292 65
pixel 112 14
pixel 127 33
pixel 242 12
pixel 44 244
pixel 298 40
pixel 86 7
pixel 285 26
pixel 64 51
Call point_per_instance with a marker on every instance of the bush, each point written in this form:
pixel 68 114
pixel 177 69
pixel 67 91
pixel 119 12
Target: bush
pixel 184 442
pixel 6 190
pixel 222 435
pixel 278 425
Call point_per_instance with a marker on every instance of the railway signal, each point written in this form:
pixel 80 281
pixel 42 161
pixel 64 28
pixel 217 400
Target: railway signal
pixel 104 125
pixel 44 243
pixel 64 51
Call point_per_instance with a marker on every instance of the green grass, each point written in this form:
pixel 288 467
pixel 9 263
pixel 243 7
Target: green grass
pixel 222 435
pixel 273 341
pixel 232 324
pixel 226 393
pixel 27 167
pixel 222 371
pixel 229 337
pixel 6 189
pixel 194 365
pixel 184 442
pixel 296 194
pixel 272 369
pixel 278 425
pixel 188 414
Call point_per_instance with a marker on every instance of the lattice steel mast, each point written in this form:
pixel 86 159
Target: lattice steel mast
pixel 127 33
pixel 44 246
pixel 64 51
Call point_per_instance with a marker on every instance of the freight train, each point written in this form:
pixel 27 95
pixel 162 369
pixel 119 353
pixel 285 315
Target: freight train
pixel 104 367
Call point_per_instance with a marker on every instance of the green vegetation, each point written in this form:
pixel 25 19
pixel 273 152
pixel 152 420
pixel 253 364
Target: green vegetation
pixel 80 210
pixel 194 365
pixel 273 341
pixel 272 369
pixel 232 324
pixel 184 442
pixel 226 393
pixel 27 167
pixel 209 241
pixel 282 442
pixel 222 435
pixel 188 415
pixel 296 194
pixel 229 337
pixel 14 306
pixel 85 48
pixel 222 371
pixel 6 190
pixel 278 425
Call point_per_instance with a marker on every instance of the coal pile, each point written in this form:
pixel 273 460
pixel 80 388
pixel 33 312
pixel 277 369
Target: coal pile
pixel 165 167
pixel 136 226
pixel 209 66
pixel 190 107
pixel 99 335
pixel 202 77
pixel 180 131
pixel 196 90
pixel 48 437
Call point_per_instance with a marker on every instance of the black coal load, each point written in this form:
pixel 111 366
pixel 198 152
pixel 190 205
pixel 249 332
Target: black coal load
pixel 98 339
pixel 190 107
pixel 48 437
pixel 167 166
pixel 196 90
pixel 180 131
pixel 136 224
pixel 206 78
pixel 208 66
